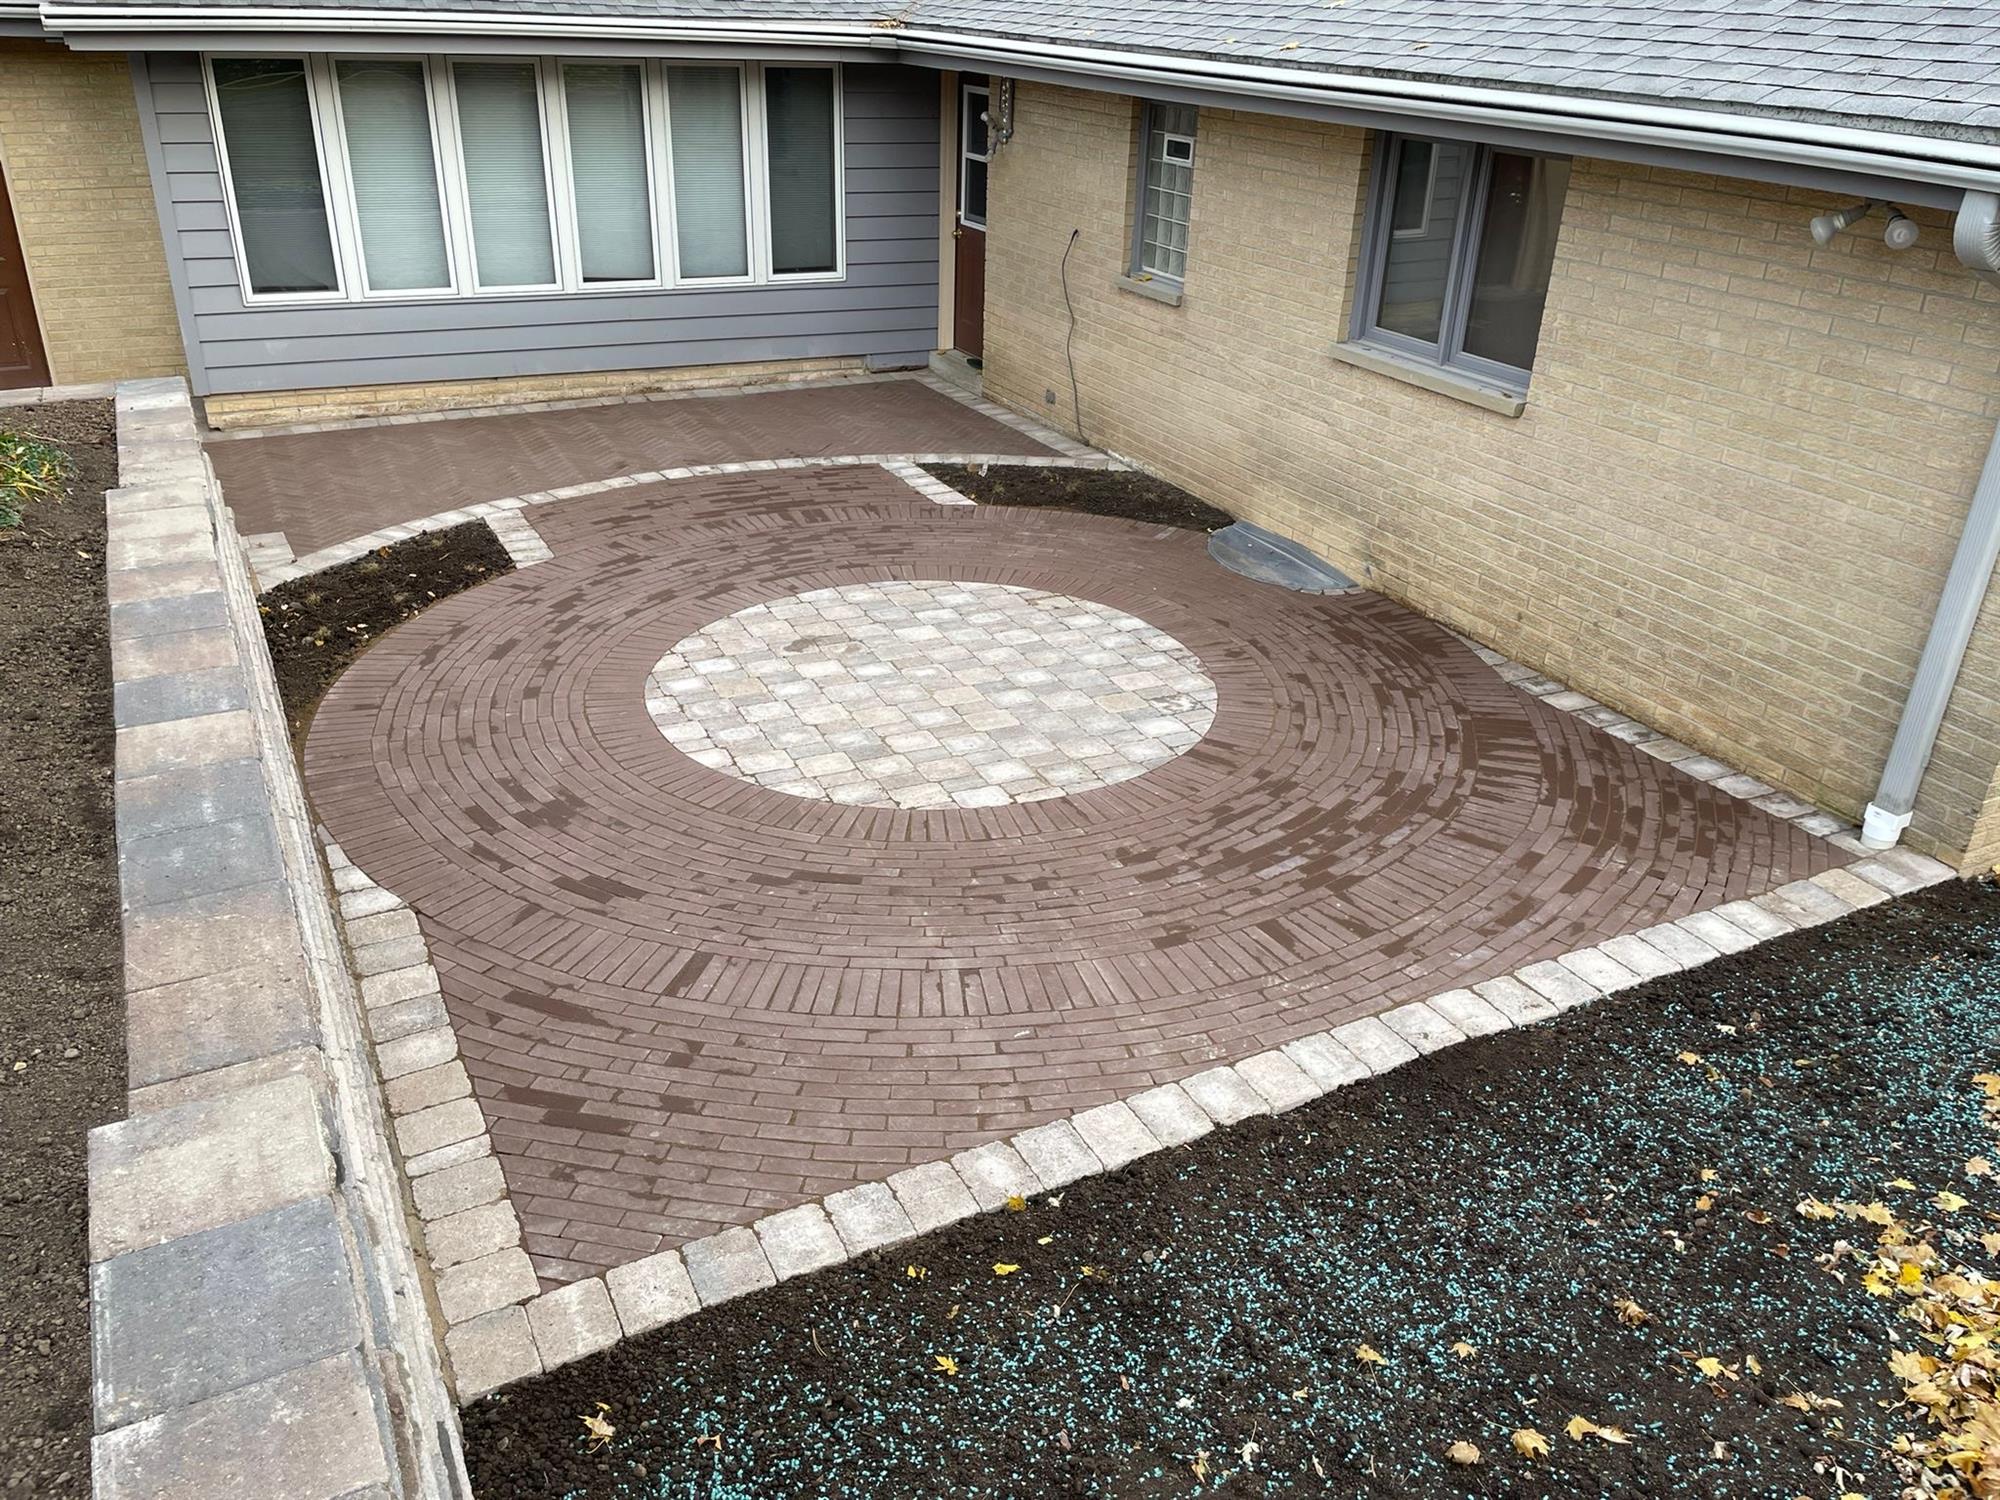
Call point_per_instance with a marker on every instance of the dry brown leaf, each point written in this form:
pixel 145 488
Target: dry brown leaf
pixel 1368 1356
pixel 1463 1350
pixel 1462 1452
pixel 1530 1443
pixel 1631 1314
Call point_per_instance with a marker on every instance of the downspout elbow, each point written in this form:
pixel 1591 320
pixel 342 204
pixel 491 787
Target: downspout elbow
pixel 1975 234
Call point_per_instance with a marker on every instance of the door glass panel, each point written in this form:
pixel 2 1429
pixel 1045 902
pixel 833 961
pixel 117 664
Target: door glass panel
pixel 973 165
pixel 1517 250
pixel 1417 265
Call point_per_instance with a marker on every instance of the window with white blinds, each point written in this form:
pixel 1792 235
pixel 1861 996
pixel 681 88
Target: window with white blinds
pixel 711 216
pixel 506 176
pixel 392 170
pixel 401 177
pixel 610 183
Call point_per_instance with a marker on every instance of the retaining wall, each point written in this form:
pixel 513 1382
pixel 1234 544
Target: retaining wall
pixel 258 1319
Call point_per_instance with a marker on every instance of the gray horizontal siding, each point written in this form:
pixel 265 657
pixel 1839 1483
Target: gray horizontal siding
pixel 886 305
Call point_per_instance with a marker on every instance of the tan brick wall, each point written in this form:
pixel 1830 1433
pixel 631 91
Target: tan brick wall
pixel 283 408
pixel 76 169
pixel 1727 510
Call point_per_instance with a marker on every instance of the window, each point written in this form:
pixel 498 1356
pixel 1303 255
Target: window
pixel 711 222
pixel 271 160
pixel 505 172
pixel 401 177
pixel 974 154
pixel 392 165
pixel 610 182
pixel 803 164
pixel 1166 190
pixel 1460 244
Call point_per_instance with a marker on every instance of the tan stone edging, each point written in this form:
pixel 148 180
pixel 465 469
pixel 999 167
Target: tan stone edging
pixel 500 1327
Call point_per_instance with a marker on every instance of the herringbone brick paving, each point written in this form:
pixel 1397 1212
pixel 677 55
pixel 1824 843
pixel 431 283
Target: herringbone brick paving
pixel 324 487
pixel 686 1000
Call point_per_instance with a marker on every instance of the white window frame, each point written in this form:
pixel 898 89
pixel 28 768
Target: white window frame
pixel 761 198
pixel 572 273
pixel 348 248
pixel 1149 133
pixel 965 152
pixel 440 80
pixel 558 250
pixel 314 68
pixel 749 82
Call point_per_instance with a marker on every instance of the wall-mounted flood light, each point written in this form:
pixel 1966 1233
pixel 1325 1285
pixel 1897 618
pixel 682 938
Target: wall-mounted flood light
pixel 1826 226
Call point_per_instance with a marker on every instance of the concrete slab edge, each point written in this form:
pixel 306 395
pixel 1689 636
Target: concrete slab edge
pixel 255 1131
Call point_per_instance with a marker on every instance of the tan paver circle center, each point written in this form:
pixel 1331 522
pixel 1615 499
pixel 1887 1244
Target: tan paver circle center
pixel 931 694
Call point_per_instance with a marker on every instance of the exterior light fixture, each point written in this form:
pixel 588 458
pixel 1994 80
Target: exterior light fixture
pixel 1826 226
pixel 1902 230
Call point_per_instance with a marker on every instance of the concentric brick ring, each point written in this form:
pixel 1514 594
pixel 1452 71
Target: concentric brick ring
pixel 686 999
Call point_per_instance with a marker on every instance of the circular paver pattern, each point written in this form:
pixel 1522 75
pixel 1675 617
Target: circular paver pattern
pixel 685 1000
pixel 931 693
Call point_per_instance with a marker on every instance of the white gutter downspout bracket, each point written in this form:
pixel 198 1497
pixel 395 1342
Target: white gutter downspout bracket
pixel 1976 238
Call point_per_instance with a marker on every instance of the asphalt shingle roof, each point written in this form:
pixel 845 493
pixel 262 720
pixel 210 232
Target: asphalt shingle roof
pixel 1929 66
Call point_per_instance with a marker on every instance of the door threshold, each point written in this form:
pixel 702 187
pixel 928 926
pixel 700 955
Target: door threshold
pixel 960 369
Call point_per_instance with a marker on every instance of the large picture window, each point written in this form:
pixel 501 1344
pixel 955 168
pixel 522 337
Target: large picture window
pixel 399 177
pixel 1459 246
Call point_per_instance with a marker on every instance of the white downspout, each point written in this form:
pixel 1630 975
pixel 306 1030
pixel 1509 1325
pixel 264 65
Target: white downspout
pixel 1976 238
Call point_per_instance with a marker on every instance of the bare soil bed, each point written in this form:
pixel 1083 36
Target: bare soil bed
pixel 62 1017
pixel 1124 493
pixel 1608 1219
pixel 315 626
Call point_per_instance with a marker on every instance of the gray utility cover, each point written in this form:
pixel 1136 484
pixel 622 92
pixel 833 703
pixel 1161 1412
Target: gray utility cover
pixel 1270 558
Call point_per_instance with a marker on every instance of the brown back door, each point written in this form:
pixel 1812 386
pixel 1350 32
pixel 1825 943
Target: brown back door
pixel 968 314
pixel 22 361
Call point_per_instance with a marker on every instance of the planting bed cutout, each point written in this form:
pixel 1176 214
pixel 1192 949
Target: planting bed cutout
pixel 1124 493
pixel 1603 1234
pixel 318 624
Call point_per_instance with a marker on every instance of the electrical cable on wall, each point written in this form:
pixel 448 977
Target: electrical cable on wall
pixel 1069 340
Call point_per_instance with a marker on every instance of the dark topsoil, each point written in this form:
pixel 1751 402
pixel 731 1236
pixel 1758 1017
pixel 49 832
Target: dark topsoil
pixel 317 625
pixel 62 1016
pixel 1124 493
pixel 1507 1193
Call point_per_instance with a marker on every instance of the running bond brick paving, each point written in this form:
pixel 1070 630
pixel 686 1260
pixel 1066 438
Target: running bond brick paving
pixel 324 487
pixel 686 999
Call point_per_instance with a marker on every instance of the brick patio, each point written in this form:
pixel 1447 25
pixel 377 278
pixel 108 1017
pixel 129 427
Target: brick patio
pixel 686 999
pixel 324 487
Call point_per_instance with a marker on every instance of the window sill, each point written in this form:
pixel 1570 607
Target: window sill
pixel 1155 288
pixel 1435 378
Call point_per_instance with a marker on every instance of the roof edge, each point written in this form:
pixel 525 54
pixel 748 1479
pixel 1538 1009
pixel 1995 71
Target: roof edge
pixel 1939 160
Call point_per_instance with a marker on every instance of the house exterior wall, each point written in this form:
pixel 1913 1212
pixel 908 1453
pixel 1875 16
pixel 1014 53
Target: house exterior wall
pixel 886 306
pixel 1727 509
pixel 83 200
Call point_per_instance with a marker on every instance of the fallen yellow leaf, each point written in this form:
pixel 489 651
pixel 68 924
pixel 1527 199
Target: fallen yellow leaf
pixel 1463 1350
pixel 915 1273
pixel 1579 1428
pixel 1978 1166
pixel 1368 1356
pixel 1710 1366
pixel 946 1363
pixel 1691 1058
pixel 1909 1274
pixel 1015 1203
pixel 1530 1443
pixel 1812 1208
pixel 1004 1268
pixel 1949 1201
pixel 1631 1314
pixel 1462 1452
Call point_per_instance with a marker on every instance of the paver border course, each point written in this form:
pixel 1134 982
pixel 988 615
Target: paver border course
pixel 500 1327
pixel 258 1314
